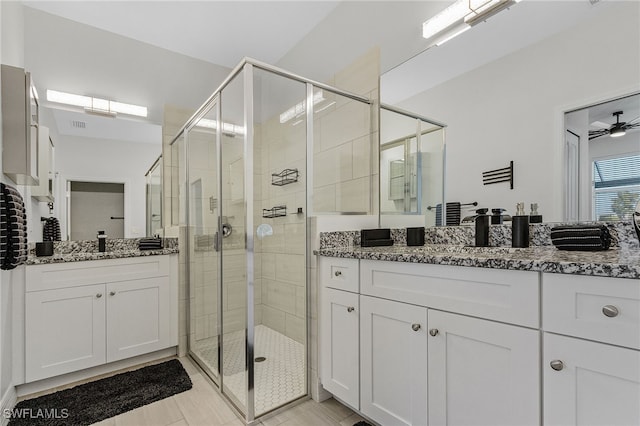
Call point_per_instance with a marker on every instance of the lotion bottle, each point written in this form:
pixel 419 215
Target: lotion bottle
pixel 482 228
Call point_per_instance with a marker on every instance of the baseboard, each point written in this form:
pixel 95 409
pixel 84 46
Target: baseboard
pixel 91 373
pixel 7 403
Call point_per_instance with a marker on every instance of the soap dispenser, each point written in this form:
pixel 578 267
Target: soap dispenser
pixel 102 242
pixel 534 216
pixel 482 228
pixel 520 227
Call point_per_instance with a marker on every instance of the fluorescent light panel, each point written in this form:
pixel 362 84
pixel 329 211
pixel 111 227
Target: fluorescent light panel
pixel 226 127
pixel 461 16
pixel 96 104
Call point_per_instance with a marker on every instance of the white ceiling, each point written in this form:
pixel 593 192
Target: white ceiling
pixel 220 32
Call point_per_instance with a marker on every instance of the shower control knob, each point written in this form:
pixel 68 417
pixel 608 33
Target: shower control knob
pixel 610 311
pixel 434 332
pixel 415 327
pixel 556 364
pixel 337 273
pixel 112 293
pixel 350 309
pixel 99 295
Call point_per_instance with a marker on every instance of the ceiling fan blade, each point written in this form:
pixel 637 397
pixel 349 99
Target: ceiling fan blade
pixel 600 125
pixel 597 133
pixel 634 121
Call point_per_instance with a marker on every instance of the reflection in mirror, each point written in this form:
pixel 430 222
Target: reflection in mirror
pixel 411 168
pixel 636 220
pixel 602 146
pixel 154 199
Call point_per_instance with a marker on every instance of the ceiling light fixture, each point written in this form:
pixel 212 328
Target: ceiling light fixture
pixel 617 131
pixel 459 17
pixel 96 105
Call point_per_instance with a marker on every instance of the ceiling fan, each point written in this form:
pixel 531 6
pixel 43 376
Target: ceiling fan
pixel 615 130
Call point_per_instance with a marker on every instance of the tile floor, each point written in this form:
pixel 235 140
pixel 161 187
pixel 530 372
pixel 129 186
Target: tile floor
pixel 279 379
pixel 202 405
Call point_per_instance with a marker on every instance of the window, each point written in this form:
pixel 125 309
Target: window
pixel 616 187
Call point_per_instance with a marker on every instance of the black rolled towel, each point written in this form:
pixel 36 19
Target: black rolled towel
pixel 581 237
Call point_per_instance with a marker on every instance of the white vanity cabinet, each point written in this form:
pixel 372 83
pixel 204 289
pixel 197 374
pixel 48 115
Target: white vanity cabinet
pixel 83 314
pixel 482 372
pixel 431 351
pixel 340 329
pixel 591 359
pixel 393 361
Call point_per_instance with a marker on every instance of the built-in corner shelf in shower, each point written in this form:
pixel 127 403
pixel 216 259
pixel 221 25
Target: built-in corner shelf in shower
pixel 285 177
pixel 277 211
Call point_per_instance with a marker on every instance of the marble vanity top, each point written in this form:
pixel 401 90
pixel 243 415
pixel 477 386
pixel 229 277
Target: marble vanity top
pixel 77 251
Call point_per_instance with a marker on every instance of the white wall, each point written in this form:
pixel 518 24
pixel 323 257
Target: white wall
pixel 11 48
pixel 513 109
pixel 113 161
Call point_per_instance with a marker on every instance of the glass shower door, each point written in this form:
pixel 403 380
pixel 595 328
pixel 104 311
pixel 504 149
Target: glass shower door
pixel 204 250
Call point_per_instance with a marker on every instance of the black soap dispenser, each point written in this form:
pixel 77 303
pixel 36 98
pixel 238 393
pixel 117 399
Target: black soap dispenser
pixel 102 242
pixel 482 228
pixel 520 228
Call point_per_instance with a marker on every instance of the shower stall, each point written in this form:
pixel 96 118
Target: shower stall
pixel 254 162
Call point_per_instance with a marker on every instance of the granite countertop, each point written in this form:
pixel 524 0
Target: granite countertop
pixel 117 248
pixel 78 257
pixel 617 263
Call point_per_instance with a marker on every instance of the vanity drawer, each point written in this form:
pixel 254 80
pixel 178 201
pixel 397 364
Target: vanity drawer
pixel 501 295
pixel 595 308
pixel 341 274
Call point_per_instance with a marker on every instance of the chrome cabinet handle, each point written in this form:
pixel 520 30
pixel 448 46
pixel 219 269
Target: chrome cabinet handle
pixel 337 273
pixel 350 309
pixel 434 332
pixel 112 293
pixel 556 364
pixel 610 311
pixel 99 295
pixel 415 327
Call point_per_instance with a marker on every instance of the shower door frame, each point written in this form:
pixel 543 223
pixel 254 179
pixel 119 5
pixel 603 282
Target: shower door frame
pixel 247 66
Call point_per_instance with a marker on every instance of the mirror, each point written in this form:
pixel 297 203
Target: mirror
pixel 154 199
pixel 91 148
pixel 602 145
pixel 503 98
pixel 411 168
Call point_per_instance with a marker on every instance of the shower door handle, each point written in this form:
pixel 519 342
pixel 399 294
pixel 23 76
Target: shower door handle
pixel 216 241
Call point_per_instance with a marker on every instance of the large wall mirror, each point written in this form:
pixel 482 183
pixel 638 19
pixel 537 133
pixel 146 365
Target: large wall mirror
pixel 602 152
pixel 503 88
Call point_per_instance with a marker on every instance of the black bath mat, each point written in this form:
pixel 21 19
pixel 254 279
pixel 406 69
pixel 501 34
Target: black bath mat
pixel 362 423
pixel 95 401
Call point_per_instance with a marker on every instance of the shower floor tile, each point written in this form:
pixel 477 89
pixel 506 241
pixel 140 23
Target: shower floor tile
pixel 280 378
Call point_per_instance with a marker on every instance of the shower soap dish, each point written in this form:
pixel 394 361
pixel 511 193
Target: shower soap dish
pixel 375 237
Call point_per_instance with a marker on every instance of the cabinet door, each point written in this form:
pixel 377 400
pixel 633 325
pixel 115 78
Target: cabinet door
pixel 393 338
pixel 65 330
pixel 482 372
pixel 339 345
pixel 138 317
pixel 591 384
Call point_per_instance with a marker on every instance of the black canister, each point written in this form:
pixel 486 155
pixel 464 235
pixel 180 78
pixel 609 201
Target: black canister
pixel 102 242
pixel 520 228
pixel 496 217
pixel 44 248
pixel 482 228
pixel 415 236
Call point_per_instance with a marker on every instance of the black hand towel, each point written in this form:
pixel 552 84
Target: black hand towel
pixel 581 237
pixel 13 228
